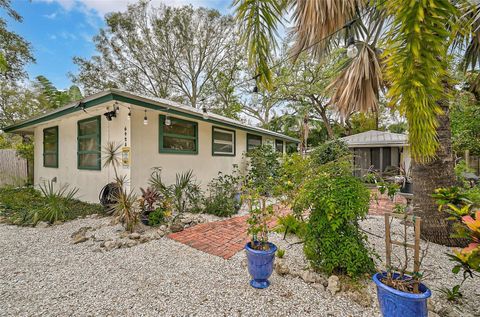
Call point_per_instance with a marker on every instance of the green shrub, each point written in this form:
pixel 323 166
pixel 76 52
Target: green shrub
pixel 294 169
pixel 333 240
pixel 290 224
pixel 280 253
pixel 156 217
pixel 264 168
pixel 329 152
pixel 222 190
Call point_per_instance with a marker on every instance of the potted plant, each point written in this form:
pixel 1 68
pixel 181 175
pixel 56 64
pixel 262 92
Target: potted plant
pixel 400 292
pixel 260 252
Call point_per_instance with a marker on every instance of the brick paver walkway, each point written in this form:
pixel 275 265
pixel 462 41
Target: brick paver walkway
pixel 227 237
pixel 222 238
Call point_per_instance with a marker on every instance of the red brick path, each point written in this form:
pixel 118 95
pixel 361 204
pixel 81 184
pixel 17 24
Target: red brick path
pixel 222 238
pixel 227 237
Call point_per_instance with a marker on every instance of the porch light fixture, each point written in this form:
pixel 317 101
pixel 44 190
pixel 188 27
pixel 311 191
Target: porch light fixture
pixel 145 119
pixel 352 49
pixel 167 121
pixel 129 116
pixel 205 113
pixel 116 107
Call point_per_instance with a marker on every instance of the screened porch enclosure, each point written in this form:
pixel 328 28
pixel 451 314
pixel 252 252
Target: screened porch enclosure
pixel 379 159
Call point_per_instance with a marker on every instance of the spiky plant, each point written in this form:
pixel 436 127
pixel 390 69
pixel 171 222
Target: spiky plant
pixel 112 156
pixel 125 207
pixel 126 210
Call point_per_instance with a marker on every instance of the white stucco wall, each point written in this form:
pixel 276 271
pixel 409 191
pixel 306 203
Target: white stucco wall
pixel 144 143
pixel 145 152
pixel 89 182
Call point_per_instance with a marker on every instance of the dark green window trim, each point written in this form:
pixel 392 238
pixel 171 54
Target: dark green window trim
pixel 98 136
pixel 253 137
pixel 234 141
pixel 51 152
pixel 277 145
pixel 162 134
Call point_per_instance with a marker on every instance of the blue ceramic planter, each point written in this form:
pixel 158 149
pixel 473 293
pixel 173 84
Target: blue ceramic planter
pixel 394 303
pixel 260 265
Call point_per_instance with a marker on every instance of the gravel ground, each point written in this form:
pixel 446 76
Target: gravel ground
pixel 43 273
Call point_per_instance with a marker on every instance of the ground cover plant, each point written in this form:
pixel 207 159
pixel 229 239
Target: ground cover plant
pixel 26 206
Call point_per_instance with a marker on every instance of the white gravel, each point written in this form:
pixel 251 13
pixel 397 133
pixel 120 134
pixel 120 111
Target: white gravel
pixel 43 273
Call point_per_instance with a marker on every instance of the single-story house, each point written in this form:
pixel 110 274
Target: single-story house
pixel 379 151
pixel 153 132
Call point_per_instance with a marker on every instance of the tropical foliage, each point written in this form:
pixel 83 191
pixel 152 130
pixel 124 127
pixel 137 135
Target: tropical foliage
pixel 26 206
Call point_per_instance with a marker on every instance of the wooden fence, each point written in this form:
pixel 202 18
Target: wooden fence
pixel 13 169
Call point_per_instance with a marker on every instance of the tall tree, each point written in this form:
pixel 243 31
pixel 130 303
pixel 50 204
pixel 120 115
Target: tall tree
pixel 164 52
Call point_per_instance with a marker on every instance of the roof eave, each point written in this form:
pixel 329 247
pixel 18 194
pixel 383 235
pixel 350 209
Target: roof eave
pixel 116 94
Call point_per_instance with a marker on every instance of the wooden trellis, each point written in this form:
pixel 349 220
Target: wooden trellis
pixel 416 246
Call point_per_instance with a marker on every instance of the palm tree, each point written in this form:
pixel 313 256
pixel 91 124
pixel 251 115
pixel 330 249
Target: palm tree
pixel 401 47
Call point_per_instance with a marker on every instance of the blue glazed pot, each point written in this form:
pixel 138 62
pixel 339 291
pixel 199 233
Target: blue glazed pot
pixel 260 265
pixel 395 303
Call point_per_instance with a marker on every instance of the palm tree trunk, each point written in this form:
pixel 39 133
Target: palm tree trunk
pixel 429 176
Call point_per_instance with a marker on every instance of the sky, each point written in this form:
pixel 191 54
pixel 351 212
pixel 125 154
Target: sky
pixel 58 30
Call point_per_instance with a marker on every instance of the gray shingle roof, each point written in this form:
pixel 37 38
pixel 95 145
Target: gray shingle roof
pixel 375 138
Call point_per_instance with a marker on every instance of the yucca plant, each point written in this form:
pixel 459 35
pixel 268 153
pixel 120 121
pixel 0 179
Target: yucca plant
pixel 126 210
pixel 125 207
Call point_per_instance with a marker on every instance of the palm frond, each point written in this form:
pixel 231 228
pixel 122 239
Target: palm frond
pixel 259 21
pixel 357 88
pixel 315 21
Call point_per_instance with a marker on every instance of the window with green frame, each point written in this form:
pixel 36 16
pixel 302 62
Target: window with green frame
pixel 50 147
pixel 279 146
pixel 253 141
pixel 180 136
pixel 89 144
pixel 223 142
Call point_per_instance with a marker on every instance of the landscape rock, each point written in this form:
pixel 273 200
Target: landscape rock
pixel 110 245
pixel 80 239
pixel 144 239
pixel 333 284
pixel 319 287
pixel 42 224
pixel 309 277
pixel 176 227
pixel 131 243
pixel 134 235
pixel 281 267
